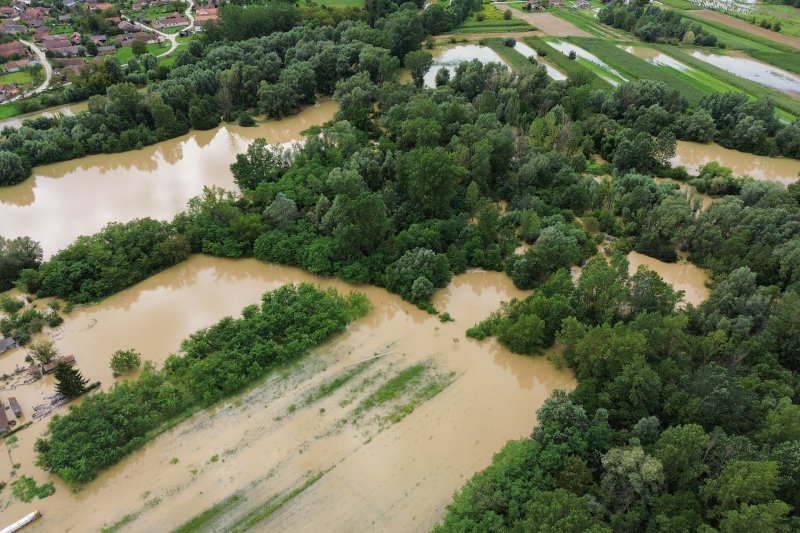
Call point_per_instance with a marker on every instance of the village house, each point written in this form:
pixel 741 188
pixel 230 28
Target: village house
pixel 203 14
pixel 13 49
pixel 7 12
pixel 69 4
pixel 15 66
pixel 9 92
pixel 75 38
pixel 40 34
pixel 13 29
pixel 14 404
pixel 98 39
pixel 105 50
pixel 6 343
pixel 125 26
pixel 171 21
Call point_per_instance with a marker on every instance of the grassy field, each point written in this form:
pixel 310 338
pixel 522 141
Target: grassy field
pixel 788 16
pixel 680 4
pixel 585 20
pixel 633 67
pixel 124 54
pixel 9 110
pixel 493 21
pixel 21 77
pixel 786 103
pixel 518 62
pixel 571 68
pixel 738 39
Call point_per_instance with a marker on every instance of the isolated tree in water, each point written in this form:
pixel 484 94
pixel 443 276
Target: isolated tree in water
pixel 70 381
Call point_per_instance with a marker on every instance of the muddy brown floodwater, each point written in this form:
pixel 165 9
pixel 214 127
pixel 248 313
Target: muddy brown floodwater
pixel 378 475
pixel 683 276
pixel 450 56
pixel 694 155
pixel 64 200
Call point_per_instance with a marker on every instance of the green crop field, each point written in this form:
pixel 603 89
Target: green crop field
pixel 736 38
pixel 634 67
pixel 125 53
pixel 493 21
pixel 518 62
pixel 585 20
pixel 680 4
pixel 572 68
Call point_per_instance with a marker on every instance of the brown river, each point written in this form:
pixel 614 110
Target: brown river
pixel 694 155
pixel 394 477
pixel 64 200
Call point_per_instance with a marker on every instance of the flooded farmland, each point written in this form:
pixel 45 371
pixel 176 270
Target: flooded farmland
pixel 271 439
pixel 450 56
pixel 694 155
pixel 68 110
pixel 611 76
pixel 64 200
pixel 756 71
pixel 651 55
pixel 529 52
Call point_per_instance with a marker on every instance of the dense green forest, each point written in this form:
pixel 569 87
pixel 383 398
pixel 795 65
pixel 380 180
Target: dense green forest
pixel 250 66
pixel 213 363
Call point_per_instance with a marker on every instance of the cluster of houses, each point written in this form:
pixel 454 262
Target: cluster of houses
pixel 170 21
pixel 203 14
pixel 540 5
pixel 16 57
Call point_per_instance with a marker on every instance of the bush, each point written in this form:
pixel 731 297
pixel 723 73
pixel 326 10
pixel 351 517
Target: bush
pixel 125 361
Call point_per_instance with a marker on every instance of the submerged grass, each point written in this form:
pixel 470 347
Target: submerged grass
pixel 437 385
pixel 518 62
pixel 328 387
pixel 210 515
pixel 270 506
pixel 395 387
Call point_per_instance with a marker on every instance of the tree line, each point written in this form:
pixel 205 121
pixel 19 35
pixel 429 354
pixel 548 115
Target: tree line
pixel 213 364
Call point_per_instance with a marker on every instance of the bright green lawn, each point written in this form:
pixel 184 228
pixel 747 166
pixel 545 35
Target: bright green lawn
pixel 125 53
pixel 493 22
pixel 20 77
pixel 9 110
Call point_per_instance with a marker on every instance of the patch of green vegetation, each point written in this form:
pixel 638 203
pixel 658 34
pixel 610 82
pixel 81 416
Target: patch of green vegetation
pixel 736 38
pixel 9 110
pixel 428 391
pixel 395 387
pixel 518 62
pixel 491 19
pixel 130 517
pixel 636 68
pixel 22 77
pixel 680 4
pixel 786 61
pixel 587 24
pixel 573 69
pixel 125 53
pixel 333 3
pixel 328 387
pixel 25 489
pixel 260 513
pixel 210 515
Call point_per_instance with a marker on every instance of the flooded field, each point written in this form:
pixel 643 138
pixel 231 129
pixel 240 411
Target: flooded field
pixel 611 76
pixel 651 55
pixel 694 155
pixel 450 56
pixel 529 52
pixel 683 276
pixel 370 469
pixel 65 200
pixel 69 109
pixel 753 70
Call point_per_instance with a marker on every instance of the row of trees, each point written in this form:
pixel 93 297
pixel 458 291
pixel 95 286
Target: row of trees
pixel 213 364
pixel 651 24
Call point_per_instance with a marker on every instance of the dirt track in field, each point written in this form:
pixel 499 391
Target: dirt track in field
pixel 552 25
pixel 739 24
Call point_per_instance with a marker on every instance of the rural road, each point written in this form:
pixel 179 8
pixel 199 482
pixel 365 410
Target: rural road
pixel 171 37
pixel 48 69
